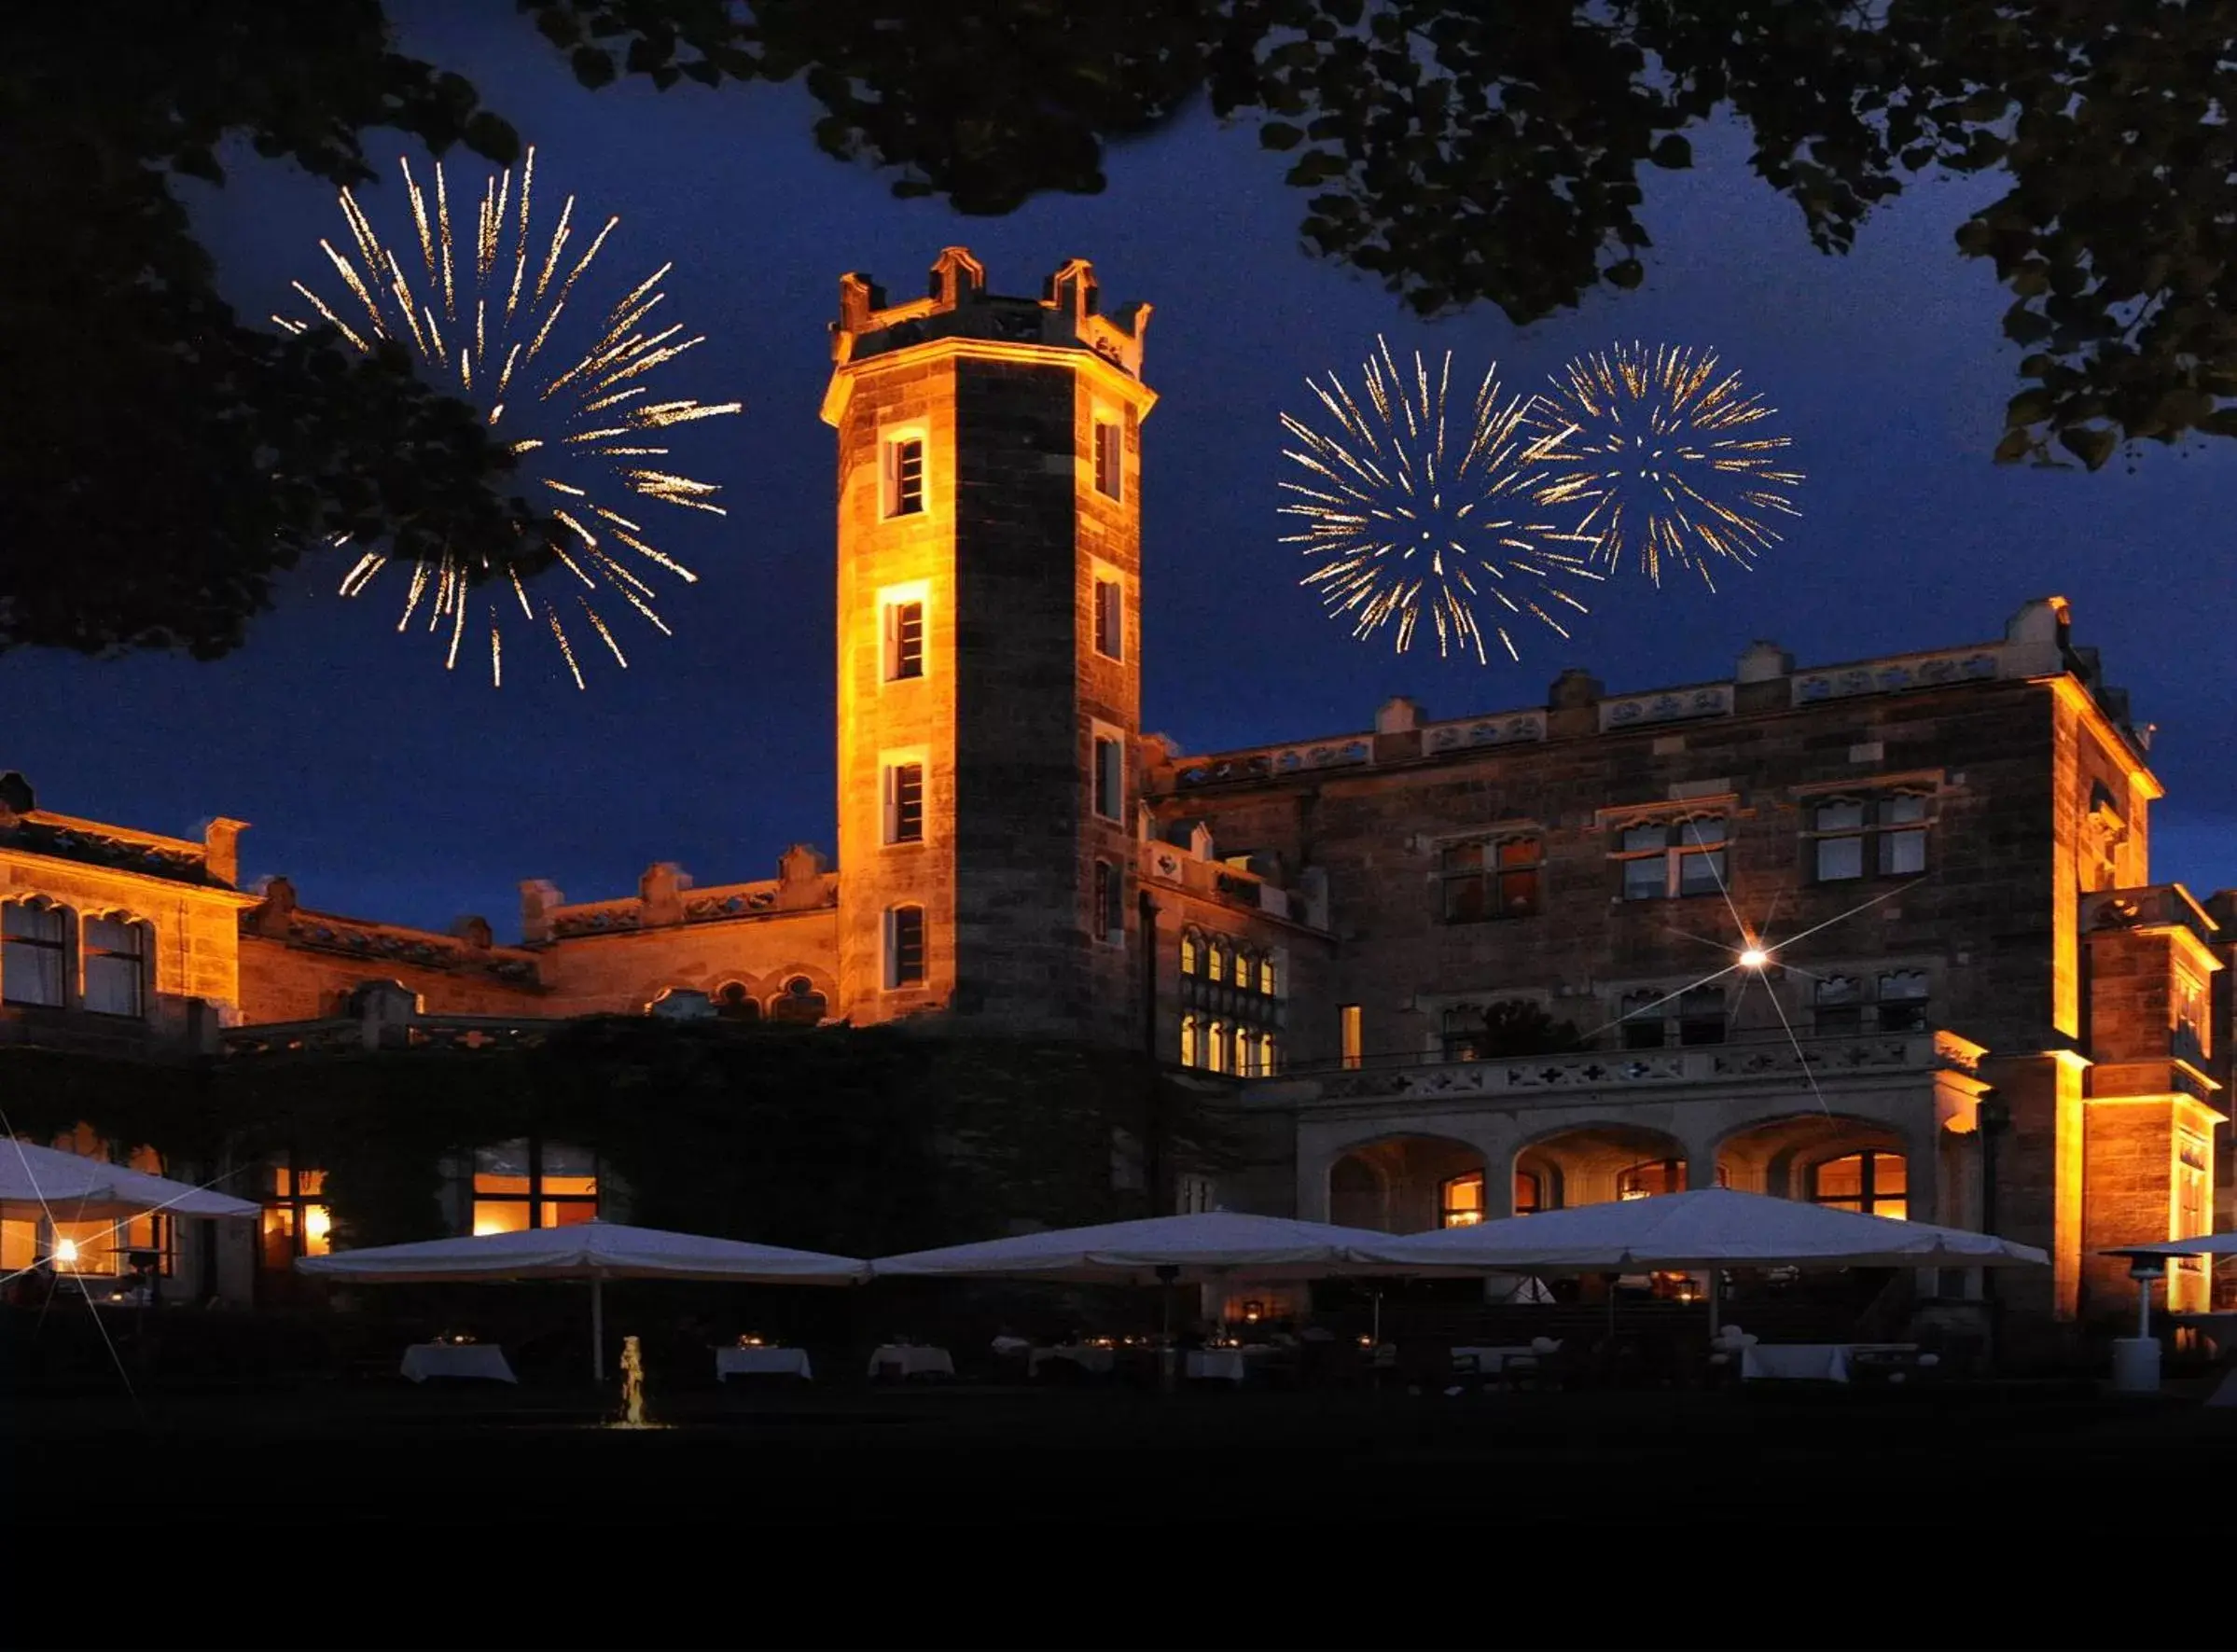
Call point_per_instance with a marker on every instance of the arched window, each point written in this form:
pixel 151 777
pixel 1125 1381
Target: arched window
pixel 1266 975
pixel 1246 1054
pixel 1838 1007
pixel 1217 967
pixel 799 1003
pixel 1873 1182
pixel 1216 1051
pixel 733 1003
pixel 530 1182
pixel 115 964
pixel 1268 1056
pixel 1460 1200
pixel 34 942
pixel 1191 1041
pixel 1193 952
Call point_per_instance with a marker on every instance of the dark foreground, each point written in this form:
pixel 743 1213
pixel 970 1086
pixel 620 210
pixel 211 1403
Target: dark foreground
pixel 1998 1501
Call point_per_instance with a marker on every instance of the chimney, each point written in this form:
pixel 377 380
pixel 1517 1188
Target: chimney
pixel 221 848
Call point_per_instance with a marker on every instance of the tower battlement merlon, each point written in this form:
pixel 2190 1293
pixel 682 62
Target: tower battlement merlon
pixel 958 305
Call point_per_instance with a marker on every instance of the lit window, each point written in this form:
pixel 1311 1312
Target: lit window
pixel 2192 1158
pixel 1873 1183
pixel 33 953
pixel 1461 1201
pixel 1491 879
pixel 1216 1047
pixel 901 479
pixel 116 962
pixel 905 803
pixel 904 641
pixel 1217 962
pixel 1671 860
pixel 1651 1179
pixel 1191 953
pixel 1902 994
pixel 1109 457
pixel 297 1220
pixel 904 947
pixel 529 1182
pixel 1245 1064
pixel 1530 1193
pixel 1110 902
pixel 1270 1055
pixel 1110 779
pixel 2193 1037
pixel 1351 1035
pixel 1266 974
pixel 1191 1041
pixel 799 1003
pixel 1110 619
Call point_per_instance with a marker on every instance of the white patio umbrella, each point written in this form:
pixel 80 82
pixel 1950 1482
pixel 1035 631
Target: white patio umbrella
pixel 2205 1244
pixel 596 1251
pixel 47 1184
pixel 32 1179
pixel 1709 1229
pixel 1206 1247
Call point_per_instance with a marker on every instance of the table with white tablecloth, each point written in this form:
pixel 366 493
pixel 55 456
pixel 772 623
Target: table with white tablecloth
pixel 762 1362
pixel 1808 1362
pixel 482 1362
pixel 912 1362
pixel 1096 1361
pixel 1490 1361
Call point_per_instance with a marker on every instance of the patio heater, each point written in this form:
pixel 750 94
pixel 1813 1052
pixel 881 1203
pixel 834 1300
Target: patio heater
pixel 2136 1358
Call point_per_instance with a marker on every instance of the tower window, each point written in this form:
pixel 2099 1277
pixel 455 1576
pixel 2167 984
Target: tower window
pixel 1110 780
pixel 904 947
pixel 1851 839
pixel 1109 457
pixel 1350 1034
pixel 1110 903
pixel 904 641
pixel 1110 618
pixel 32 953
pixel 1873 1183
pixel 116 956
pixel 901 479
pixel 905 803
pixel 1486 878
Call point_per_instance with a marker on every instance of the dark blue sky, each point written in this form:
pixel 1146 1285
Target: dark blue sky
pixel 386 787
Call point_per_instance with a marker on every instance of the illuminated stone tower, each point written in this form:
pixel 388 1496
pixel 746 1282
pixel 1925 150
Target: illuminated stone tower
pixel 989 653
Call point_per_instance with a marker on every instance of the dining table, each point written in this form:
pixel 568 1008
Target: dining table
pixel 762 1362
pixel 1090 1357
pixel 474 1362
pixel 1808 1362
pixel 912 1361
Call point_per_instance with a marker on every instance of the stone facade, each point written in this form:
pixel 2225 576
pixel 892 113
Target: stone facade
pixel 1972 1003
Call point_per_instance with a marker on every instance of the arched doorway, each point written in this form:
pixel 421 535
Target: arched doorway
pixel 1595 1163
pixel 1843 1164
pixel 1407 1184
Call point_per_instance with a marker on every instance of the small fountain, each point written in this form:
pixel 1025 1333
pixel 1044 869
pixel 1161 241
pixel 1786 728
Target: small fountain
pixel 632 1386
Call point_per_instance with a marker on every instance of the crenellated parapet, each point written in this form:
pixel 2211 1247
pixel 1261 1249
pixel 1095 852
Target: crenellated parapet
pixel 959 307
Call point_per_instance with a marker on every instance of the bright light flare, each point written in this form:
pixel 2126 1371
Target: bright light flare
pixel 1754 958
pixel 1417 502
pixel 478 322
pixel 1661 457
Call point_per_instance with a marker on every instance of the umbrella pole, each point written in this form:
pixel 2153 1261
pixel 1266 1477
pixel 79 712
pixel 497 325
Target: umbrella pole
pixel 1169 1358
pixel 597 1328
pixel 1715 1283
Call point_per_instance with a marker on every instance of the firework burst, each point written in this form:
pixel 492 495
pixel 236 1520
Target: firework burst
pixel 1416 503
pixel 482 313
pixel 1663 461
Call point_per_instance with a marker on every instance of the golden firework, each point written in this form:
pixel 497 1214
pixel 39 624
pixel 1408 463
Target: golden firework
pixel 1419 503
pixel 481 315
pixel 1658 458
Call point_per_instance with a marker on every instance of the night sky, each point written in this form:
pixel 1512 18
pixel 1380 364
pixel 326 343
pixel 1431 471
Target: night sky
pixel 387 788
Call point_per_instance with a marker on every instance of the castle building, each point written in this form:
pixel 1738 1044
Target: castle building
pixel 1882 933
